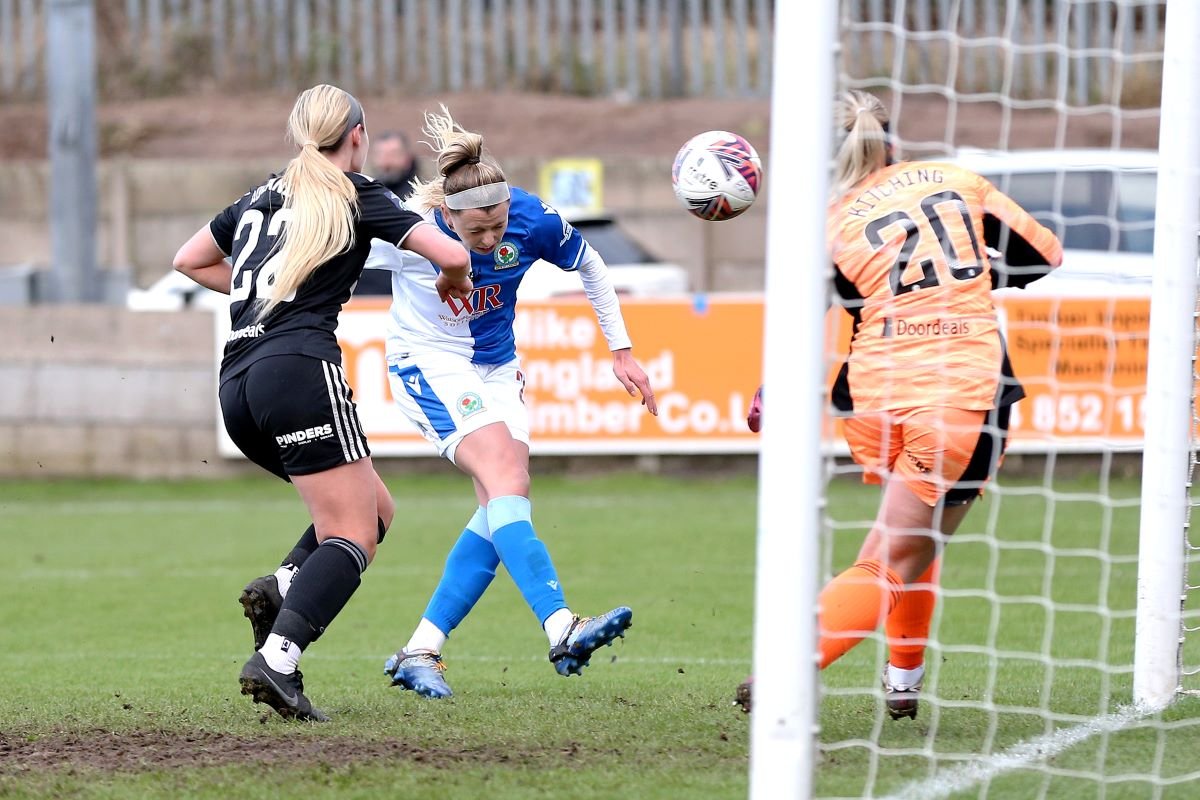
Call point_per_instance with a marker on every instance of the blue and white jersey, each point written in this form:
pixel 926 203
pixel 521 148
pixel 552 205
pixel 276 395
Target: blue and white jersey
pixel 480 327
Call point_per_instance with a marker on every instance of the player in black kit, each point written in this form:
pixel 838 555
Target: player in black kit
pixel 297 244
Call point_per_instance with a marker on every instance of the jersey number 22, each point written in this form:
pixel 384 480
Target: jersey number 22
pixel 261 278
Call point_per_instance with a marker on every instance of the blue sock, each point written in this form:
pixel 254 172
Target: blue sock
pixel 524 555
pixel 469 570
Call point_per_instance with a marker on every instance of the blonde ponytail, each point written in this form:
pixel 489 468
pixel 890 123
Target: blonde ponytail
pixel 462 163
pixel 863 120
pixel 321 200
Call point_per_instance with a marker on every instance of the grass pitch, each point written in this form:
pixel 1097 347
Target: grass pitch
pixel 122 640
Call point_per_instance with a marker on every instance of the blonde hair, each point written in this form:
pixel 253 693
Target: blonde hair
pixel 462 163
pixel 322 201
pixel 863 121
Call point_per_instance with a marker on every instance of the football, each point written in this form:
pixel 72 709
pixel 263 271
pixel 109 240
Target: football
pixel 716 175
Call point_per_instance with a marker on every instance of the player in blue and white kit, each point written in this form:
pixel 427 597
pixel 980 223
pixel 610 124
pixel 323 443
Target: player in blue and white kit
pixel 453 370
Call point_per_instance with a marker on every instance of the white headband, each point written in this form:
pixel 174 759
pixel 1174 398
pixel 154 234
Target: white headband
pixel 489 194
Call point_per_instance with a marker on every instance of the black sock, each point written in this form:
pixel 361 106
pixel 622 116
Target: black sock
pixel 320 590
pixel 308 545
pixel 303 549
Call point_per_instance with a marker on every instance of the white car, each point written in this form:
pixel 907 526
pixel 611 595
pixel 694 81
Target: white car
pixel 1099 202
pixel 634 271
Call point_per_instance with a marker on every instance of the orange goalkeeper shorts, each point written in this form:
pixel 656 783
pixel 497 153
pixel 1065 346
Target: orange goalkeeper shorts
pixel 927 448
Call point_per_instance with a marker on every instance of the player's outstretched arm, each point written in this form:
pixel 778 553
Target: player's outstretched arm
pixel 631 375
pixel 449 256
pixel 1029 249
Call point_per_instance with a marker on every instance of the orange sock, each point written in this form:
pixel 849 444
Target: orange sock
pixel 908 625
pixel 854 604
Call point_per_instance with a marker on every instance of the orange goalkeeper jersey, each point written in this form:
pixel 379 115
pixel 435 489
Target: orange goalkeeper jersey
pixel 910 264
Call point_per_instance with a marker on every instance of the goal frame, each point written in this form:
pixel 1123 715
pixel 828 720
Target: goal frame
pixel 1170 373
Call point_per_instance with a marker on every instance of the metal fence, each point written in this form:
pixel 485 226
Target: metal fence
pixel 640 48
pixel 643 48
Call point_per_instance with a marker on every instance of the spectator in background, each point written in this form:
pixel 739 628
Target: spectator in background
pixel 395 166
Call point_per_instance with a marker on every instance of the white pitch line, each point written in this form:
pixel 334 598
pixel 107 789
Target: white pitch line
pixel 1019 756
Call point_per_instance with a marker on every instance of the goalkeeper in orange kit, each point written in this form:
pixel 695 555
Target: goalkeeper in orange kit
pixel 927 387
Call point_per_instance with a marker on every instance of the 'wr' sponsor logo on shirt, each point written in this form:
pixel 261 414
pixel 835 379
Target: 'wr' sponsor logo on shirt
pixel 481 299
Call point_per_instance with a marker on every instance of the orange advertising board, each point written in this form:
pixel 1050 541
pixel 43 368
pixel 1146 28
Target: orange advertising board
pixel 1082 362
pixel 703 358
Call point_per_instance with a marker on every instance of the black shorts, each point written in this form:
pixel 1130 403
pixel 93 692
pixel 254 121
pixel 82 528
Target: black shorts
pixel 293 415
pixel 985 460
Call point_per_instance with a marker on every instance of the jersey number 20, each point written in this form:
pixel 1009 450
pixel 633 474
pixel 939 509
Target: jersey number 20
pixel 912 238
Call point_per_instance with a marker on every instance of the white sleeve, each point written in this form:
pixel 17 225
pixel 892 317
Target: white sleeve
pixel 598 287
pixel 385 255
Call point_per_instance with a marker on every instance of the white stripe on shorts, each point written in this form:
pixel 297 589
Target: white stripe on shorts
pixel 334 388
pixel 353 427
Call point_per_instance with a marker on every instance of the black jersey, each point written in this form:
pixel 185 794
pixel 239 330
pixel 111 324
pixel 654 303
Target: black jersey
pixel 304 323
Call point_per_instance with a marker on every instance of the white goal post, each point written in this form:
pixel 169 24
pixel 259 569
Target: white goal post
pixel 791 482
pixel 1171 377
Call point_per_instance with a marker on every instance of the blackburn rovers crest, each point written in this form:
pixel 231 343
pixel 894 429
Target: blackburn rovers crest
pixel 470 403
pixel 507 255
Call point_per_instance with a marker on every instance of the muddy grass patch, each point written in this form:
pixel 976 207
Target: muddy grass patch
pixel 144 751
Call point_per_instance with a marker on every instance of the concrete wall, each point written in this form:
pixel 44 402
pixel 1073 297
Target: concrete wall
pixel 99 391
pixel 148 207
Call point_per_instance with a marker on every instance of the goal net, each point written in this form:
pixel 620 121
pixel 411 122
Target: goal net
pixel 1042 677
